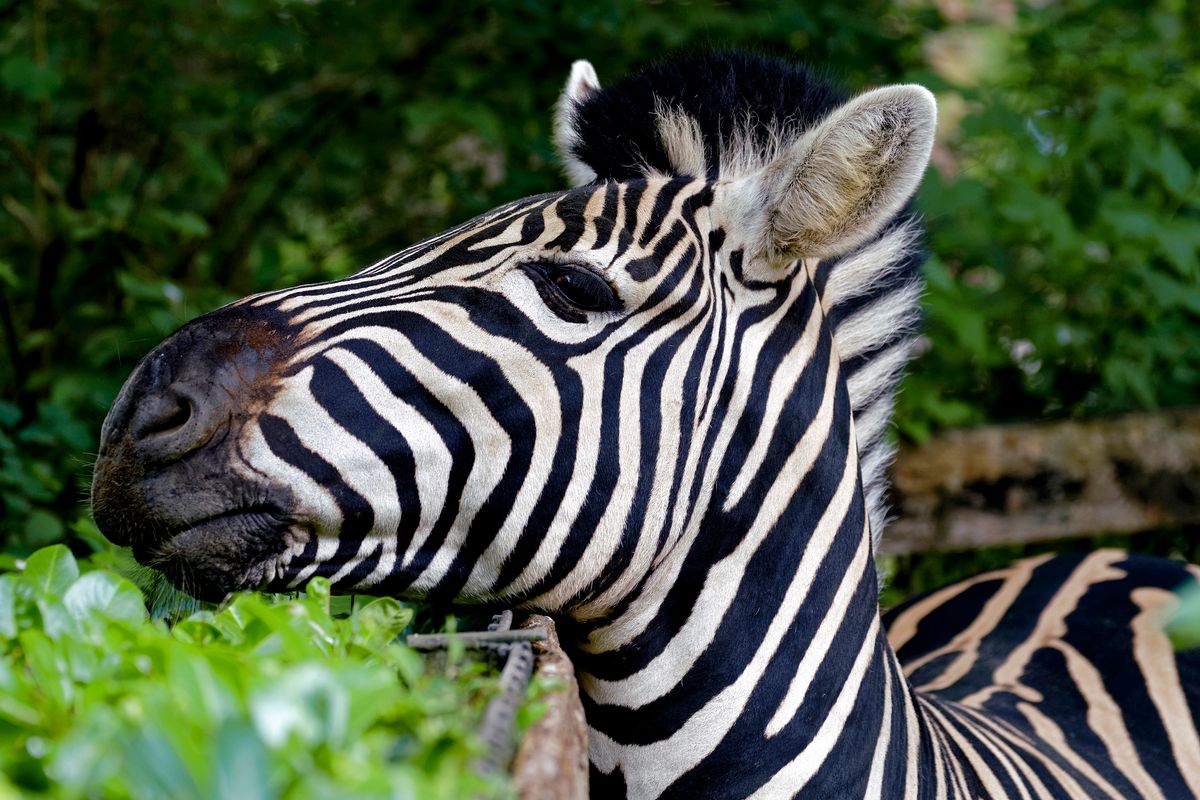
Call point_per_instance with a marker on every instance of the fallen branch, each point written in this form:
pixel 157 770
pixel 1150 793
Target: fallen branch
pixel 1025 483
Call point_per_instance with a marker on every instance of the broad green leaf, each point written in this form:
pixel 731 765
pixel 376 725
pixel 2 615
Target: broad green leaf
pixel 20 713
pixel 42 528
pixel 90 753
pixel 48 668
pixel 25 77
pixel 8 275
pixel 1183 626
pixel 196 680
pixel 1174 169
pixel 382 619
pixel 1128 218
pixel 341 605
pixel 8 608
pixel 57 621
pixel 308 704
pixel 8 791
pixel 1180 243
pixel 240 764
pixel 51 570
pixel 318 592
pixel 104 593
pixel 156 769
pixel 9 413
pixel 187 223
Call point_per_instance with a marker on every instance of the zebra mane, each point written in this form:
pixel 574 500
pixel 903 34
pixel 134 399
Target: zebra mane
pixel 726 114
pixel 715 115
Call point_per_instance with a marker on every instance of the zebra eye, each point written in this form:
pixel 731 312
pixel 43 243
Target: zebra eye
pixel 582 288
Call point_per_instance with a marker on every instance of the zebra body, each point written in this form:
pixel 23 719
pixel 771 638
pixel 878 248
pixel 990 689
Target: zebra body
pixel 654 406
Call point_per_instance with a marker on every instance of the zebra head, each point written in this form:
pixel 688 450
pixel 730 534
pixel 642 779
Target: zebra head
pixel 542 405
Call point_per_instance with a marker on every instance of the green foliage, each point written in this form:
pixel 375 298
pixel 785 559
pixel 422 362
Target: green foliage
pixel 1064 278
pixel 264 698
pixel 1184 625
pixel 158 159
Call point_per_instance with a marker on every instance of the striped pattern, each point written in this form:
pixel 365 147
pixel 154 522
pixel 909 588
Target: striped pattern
pixel 692 482
pixel 1053 678
pixel 694 648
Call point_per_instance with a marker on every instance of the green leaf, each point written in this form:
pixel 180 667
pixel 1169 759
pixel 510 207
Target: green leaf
pixel 1174 169
pixel 1183 626
pixel 1026 206
pixel 88 754
pixel 318 592
pixel 51 570
pixel 1133 378
pixel 34 81
pixel 205 681
pixel 42 528
pixel 8 275
pixel 1128 218
pixel 382 620
pixel 48 668
pixel 104 593
pixel 307 705
pixel 1180 242
pixel 1169 292
pixel 8 606
pixel 9 414
pixel 341 605
pixel 240 763
pixel 17 711
pixel 57 622
pixel 156 768
pixel 188 223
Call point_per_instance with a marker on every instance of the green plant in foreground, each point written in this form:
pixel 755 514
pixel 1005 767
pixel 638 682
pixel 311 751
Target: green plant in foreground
pixel 1184 624
pixel 266 697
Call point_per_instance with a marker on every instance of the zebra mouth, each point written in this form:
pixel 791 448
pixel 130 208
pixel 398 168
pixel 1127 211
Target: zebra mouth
pixel 213 557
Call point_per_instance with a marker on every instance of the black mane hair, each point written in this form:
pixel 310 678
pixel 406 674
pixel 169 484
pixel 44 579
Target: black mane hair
pixel 773 99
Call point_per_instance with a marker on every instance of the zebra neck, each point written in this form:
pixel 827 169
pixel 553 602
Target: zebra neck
pixel 819 711
pixel 752 658
pixel 763 693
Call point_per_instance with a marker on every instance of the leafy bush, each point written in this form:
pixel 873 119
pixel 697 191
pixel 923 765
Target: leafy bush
pixel 264 698
pixel 159 159
pixel 1064 216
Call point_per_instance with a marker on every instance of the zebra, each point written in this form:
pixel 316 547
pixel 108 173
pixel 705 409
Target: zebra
pixel 655 406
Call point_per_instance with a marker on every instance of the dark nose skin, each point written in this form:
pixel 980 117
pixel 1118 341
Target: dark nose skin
pixel 210 372
pixel 173 420
pixel 190 394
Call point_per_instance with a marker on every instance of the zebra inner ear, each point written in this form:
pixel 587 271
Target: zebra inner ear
pixel 841 182
pixel 582 83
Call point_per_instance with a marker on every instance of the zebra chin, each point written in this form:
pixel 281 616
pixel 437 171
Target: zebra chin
pixel 215 557
pixel 207 528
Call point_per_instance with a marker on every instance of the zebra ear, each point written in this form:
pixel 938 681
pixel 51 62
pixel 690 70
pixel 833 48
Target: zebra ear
pixel 582 83
pixel 841 182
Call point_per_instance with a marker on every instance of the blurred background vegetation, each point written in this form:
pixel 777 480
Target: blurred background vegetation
pixel 159 158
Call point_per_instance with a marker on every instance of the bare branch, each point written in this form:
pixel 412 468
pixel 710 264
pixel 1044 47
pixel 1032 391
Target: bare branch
pixel 22 215
pixel 25 158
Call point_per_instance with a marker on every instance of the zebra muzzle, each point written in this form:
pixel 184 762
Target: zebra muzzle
pixel 167 480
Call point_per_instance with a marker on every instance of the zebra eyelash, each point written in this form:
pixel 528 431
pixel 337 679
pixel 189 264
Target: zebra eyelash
pixel 571 290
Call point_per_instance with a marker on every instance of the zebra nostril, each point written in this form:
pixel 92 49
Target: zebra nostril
pixel 170 423
pixel 168 417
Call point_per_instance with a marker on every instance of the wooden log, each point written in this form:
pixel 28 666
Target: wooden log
pixel 1023 483
pixel 552 760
